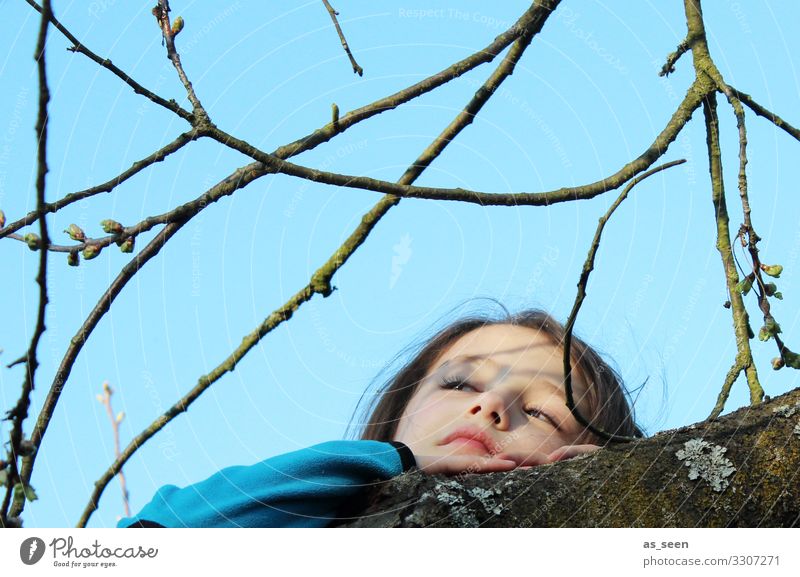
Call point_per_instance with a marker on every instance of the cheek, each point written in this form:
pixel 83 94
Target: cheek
pixel 535 440
pixel 423 416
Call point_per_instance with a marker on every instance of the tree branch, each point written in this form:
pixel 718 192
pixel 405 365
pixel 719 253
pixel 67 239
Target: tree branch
pixel 321 280
pixel 707 72
pixel 239 179
pixel 741 323
pixel 107 64
pixel 771 116
pixel 17 483
pixel 169 32
pixel 588 266
pixel 356 68
pixel 672 59
pixel 532 21
pixel 273 163
pixel 107 186
pixel 737 471
pixel 105 400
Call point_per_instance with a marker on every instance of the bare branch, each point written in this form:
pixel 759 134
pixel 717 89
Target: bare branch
pixel 180 216
pixel 19 413
pixel 669 67
pixel 741 323
pixel 588 266
pixel 356 68
pixel 273 163
pixel 532 20
pixel 321 280
pixel 771 116
pixel 107 186
pixel 105 399
pixel 707 73
pixel 107 64
pixel 169 32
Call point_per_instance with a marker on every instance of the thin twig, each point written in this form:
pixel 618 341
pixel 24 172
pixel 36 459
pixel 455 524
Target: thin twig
pixel 77 342
pixel 20 412
pixel 238 179
pixel 533 19
pixel 105 399
pixel 162 15
pixel 321 280
pixel 747 230
pixel 356 68
pixel 744 358
pixel 588 266
pixel 669 66
pixel 761 111
pixel 108 65
pixel 273 163
pixel 707 72
pixel 107 186
pixel 179 213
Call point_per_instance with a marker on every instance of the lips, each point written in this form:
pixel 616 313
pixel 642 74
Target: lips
pixel 471 436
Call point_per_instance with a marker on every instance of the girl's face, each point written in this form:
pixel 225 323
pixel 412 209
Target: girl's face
pixel 497 389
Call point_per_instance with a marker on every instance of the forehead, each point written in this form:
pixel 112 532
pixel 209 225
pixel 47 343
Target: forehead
pixel 504 344
pixel 517 350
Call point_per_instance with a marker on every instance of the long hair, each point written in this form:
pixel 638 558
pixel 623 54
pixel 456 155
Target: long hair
pixel 608 404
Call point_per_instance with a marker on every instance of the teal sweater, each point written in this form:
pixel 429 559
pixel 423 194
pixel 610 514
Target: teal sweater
pixel 304 488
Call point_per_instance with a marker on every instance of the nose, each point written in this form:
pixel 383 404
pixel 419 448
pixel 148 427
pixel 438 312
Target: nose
pixel 489 406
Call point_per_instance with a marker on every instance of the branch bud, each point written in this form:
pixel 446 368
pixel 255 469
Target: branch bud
pixel 770 329
pixel 75 233
pixel 111 226
pixel 73 259
pixel 33 241
pixel 745 285
pixel 792 359
pixel 177 26
pixel 2 219
pixel 91 251
pixel 120 416
pixel 773 270
pixel 777 363
pixel 26 448
pixel 127 245
pixel 28 491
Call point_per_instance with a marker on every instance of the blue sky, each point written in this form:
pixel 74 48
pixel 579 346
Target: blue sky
pixel 585 100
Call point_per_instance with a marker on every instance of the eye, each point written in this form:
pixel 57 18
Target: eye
pixel 537 413
pixel 456 384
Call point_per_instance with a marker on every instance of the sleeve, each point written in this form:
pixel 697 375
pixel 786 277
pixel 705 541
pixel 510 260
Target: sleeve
pixel 303 488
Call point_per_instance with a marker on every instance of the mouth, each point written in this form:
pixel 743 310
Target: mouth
pixel 471 438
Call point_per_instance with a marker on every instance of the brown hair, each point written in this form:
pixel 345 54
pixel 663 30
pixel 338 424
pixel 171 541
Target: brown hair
pixel 608 404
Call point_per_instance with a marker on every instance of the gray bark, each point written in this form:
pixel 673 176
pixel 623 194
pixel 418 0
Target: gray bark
pixel 740 470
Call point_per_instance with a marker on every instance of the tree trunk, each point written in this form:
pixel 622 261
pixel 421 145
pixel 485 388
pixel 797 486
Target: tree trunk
pixel 740 470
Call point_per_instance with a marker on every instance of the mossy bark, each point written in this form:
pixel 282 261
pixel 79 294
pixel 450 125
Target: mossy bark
pixel 752 483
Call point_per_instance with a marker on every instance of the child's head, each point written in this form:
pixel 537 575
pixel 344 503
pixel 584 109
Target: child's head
pixel 503 376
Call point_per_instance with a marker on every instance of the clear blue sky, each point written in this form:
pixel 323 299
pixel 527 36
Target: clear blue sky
pixel 585 100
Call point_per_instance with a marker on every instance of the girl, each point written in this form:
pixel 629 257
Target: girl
pixel 483 395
